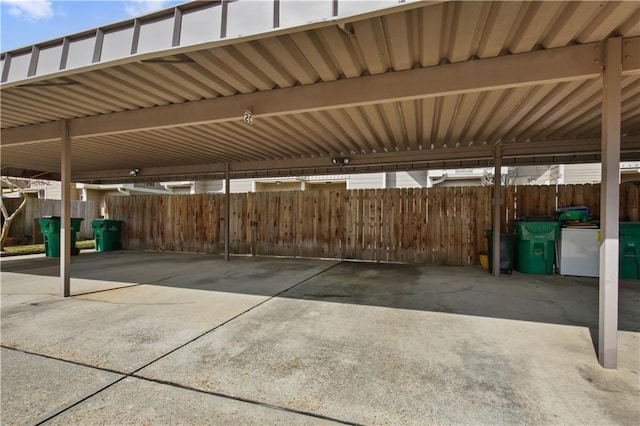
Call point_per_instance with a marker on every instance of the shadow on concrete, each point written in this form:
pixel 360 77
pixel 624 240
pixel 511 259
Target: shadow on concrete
pixel 449 289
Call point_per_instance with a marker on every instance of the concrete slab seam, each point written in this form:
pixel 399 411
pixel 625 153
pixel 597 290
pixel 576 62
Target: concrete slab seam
pixel 124 376
pixel 234 317
pixel 167 383
pixel 132 374
pixel 247 401
pixel 78 363
pixel 126 286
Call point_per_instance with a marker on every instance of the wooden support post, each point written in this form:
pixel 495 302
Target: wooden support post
pixel 65 212
pixel 609 204
pixel 227 211
pixel 497 185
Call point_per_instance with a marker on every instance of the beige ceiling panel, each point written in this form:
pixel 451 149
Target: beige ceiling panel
pixel 558 95
pixel 507 106
pixel 218 68
pixel 190 83
pixel 100 94
pixel 214 141
pixel 536 107
pixel 399 40
pixel 267 63
pixel 430 33
pixel 612 15
pixel 443 118
pixel 532 30
pixel 316 55
pixel 244 66
pixel 631 28
pixel 126 80
pixel 279 135
pixel 587 93
pixel 287 54
pixel 371 41
pixel 394 120
pixel 180 88
pixel 343 50
pixel 325 141
pixel 409 115
pixel 570 22
pixel 350 139
pixel 469 23
pixel 199 150
pixel 31 99
pixel 199 75
pixel 250 145
pixel 325 132
pixel 373 144
pixel 344 122
pixel 465 107
pixel 301 143
pixel 488 102
pixel 427 108
pixel 101 84
pixel 375 117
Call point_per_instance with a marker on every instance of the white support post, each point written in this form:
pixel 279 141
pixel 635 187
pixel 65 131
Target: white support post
pixel 497 185
pixel 609 204
pixel 227 211
pixel 65 212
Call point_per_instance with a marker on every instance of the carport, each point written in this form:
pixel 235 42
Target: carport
pixel 333 85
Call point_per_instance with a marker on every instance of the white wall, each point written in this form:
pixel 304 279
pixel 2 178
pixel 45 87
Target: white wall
pixel 413 179
pixel 366 181
pixel 582 173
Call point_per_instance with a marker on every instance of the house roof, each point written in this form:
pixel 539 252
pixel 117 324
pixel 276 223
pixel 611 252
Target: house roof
pixel 391 86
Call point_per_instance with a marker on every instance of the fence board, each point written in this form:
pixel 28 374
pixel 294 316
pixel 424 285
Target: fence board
pixel 23 229
pixel 435 225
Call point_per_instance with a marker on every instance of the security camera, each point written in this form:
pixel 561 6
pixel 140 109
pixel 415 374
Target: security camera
pixel 134 172
pixel 340 161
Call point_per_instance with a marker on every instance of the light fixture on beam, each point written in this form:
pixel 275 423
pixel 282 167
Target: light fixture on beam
pixel 134 172
pixel 340 161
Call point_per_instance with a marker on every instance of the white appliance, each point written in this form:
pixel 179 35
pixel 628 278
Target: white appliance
pixel 579 250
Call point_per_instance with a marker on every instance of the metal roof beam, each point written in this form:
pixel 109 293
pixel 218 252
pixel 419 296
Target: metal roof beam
pixel 362 163
pixel 533 68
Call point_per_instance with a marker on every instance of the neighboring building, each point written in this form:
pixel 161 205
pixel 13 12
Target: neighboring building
pixel 521 175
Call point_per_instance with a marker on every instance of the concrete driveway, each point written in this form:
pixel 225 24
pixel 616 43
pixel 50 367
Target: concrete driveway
pixel 168 338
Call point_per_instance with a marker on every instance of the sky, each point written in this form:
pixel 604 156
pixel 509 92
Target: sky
pixel 24 23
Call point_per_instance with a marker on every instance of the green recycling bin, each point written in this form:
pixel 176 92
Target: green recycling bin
pixel 506 251
pixel 535 246
pixel 50 227
pixel 630 250
pixel 106 234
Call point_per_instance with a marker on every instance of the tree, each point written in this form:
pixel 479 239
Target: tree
pixel 508 179
pixel 13 185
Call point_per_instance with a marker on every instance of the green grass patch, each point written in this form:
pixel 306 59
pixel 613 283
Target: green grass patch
pixel 39 248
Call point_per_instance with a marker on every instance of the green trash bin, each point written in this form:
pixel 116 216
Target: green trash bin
pixel 106 234
pixel 630 250
pixel 50 227
pixel 506 251
pixel 535 246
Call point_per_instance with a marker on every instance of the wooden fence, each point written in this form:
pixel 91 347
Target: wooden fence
pixel 23 228
pixel 435 226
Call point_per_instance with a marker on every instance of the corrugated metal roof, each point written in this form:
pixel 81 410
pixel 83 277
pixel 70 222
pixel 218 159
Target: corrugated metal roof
pixel 414 38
